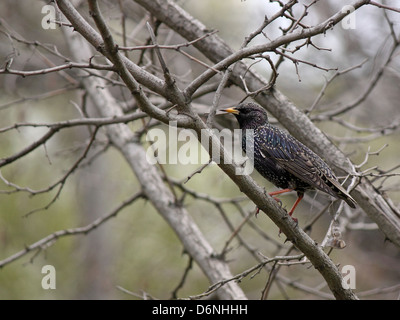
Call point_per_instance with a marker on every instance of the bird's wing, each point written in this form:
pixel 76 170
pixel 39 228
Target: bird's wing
pixel 300 161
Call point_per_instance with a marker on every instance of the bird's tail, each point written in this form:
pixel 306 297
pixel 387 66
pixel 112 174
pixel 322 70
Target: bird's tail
pixel 349 200
pixel 341 193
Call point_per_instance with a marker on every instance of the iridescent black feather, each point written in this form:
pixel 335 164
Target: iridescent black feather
pixel 282 159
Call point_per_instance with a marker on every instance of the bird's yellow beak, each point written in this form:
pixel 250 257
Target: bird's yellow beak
pixel 231 110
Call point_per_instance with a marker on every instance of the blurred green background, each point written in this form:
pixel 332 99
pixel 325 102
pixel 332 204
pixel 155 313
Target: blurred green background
pixel 137 250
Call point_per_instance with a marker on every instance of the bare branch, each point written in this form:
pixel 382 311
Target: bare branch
pixel 52 238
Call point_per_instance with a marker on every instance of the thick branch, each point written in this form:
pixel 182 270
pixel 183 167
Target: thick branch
pixel 153 187
pixel 215 49
pixel 177 217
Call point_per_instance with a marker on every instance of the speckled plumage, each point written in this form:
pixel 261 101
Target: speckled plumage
pixel 282 159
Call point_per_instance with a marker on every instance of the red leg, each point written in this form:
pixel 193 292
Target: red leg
pixel 274 193
pixel 300 196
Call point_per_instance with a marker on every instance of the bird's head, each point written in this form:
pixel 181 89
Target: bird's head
pixel 249 115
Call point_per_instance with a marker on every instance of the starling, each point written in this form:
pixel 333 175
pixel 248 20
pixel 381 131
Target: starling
pixel 283 160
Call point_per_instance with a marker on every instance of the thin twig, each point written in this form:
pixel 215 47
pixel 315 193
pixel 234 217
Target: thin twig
pixel 52 238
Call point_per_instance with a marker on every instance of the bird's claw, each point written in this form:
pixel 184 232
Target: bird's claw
pixel 278 200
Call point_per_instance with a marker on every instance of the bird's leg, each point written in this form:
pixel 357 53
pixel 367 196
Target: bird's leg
pixel 300 196
pixel 272 194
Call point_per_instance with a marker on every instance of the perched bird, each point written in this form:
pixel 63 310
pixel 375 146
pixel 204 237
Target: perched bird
pixel 283 160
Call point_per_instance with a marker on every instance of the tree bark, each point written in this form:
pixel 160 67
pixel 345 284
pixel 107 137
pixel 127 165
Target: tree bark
pixel 163 200
pixel 374 204
pixel 150 180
